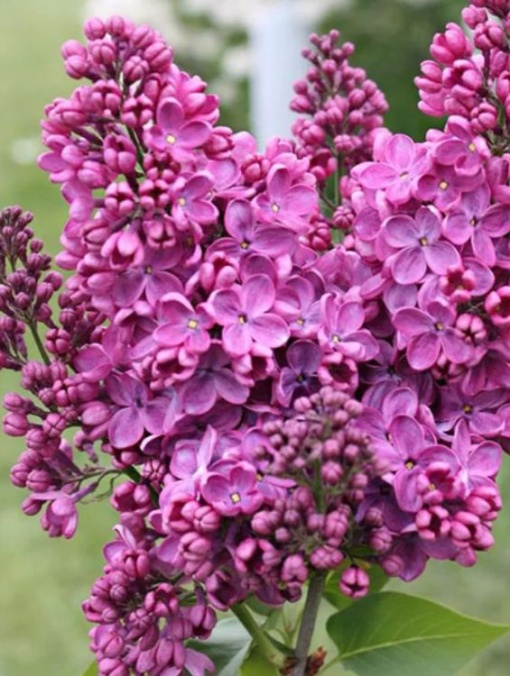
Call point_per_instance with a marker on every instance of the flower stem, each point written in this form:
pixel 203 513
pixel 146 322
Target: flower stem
pixel 262 642
pixel 38 342
pixel 313 599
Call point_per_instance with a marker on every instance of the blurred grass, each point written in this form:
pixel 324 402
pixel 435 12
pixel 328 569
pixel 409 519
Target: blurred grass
pixel 43 581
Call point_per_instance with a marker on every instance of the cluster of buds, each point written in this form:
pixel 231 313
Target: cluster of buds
pixel 468 75
pixel 342 108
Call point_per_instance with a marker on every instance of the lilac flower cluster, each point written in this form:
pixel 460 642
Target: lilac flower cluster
pixel 342 108
pixel 196 312
pixel 267 407
pixel 433 227
pixel 469 75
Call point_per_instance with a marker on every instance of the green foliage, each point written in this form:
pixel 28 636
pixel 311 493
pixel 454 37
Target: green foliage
pixel 227 647
pixel 92 670
pixel 396 634
pixel 256 665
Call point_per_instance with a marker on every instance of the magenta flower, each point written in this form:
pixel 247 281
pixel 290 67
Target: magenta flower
pixel 172 132
pixel 420 246
pixel 189 463
pixel 153 278
pixel 298 303
pixel 247 236
pixel 400 163
pixel 299 377
pixel 460 148
pixel 429 334
pixel 136 411
pixel 341 330
pixel 422 467
pixel 284 202
pixel 235 492
pixel 476 220
pixel 477 410
pixel 480 462
pixel 243 311
pixel 192 200
pixel 444 186
pixel 181 324
pixel 212 381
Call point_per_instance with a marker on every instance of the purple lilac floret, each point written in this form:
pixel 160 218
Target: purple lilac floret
pixel 266 404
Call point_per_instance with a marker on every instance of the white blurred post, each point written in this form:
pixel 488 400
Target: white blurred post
pixel 277 36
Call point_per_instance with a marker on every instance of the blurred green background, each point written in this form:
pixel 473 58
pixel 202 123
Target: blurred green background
pixel 42 632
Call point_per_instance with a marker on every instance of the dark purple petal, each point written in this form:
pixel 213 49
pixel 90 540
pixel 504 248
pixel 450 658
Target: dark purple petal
pixel 486 424
pixel 125 428
pixel 229 388
pixel 303 356
pixel 199 394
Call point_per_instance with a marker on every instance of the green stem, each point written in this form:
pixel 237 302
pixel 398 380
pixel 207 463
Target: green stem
pixel 39 343
pixel 262 642
pixel 313 599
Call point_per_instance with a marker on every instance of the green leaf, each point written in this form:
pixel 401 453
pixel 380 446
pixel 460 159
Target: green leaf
pixel 333 594
pixel 91 670
pixel 227 646
pixel 257 664
pixel 395 634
